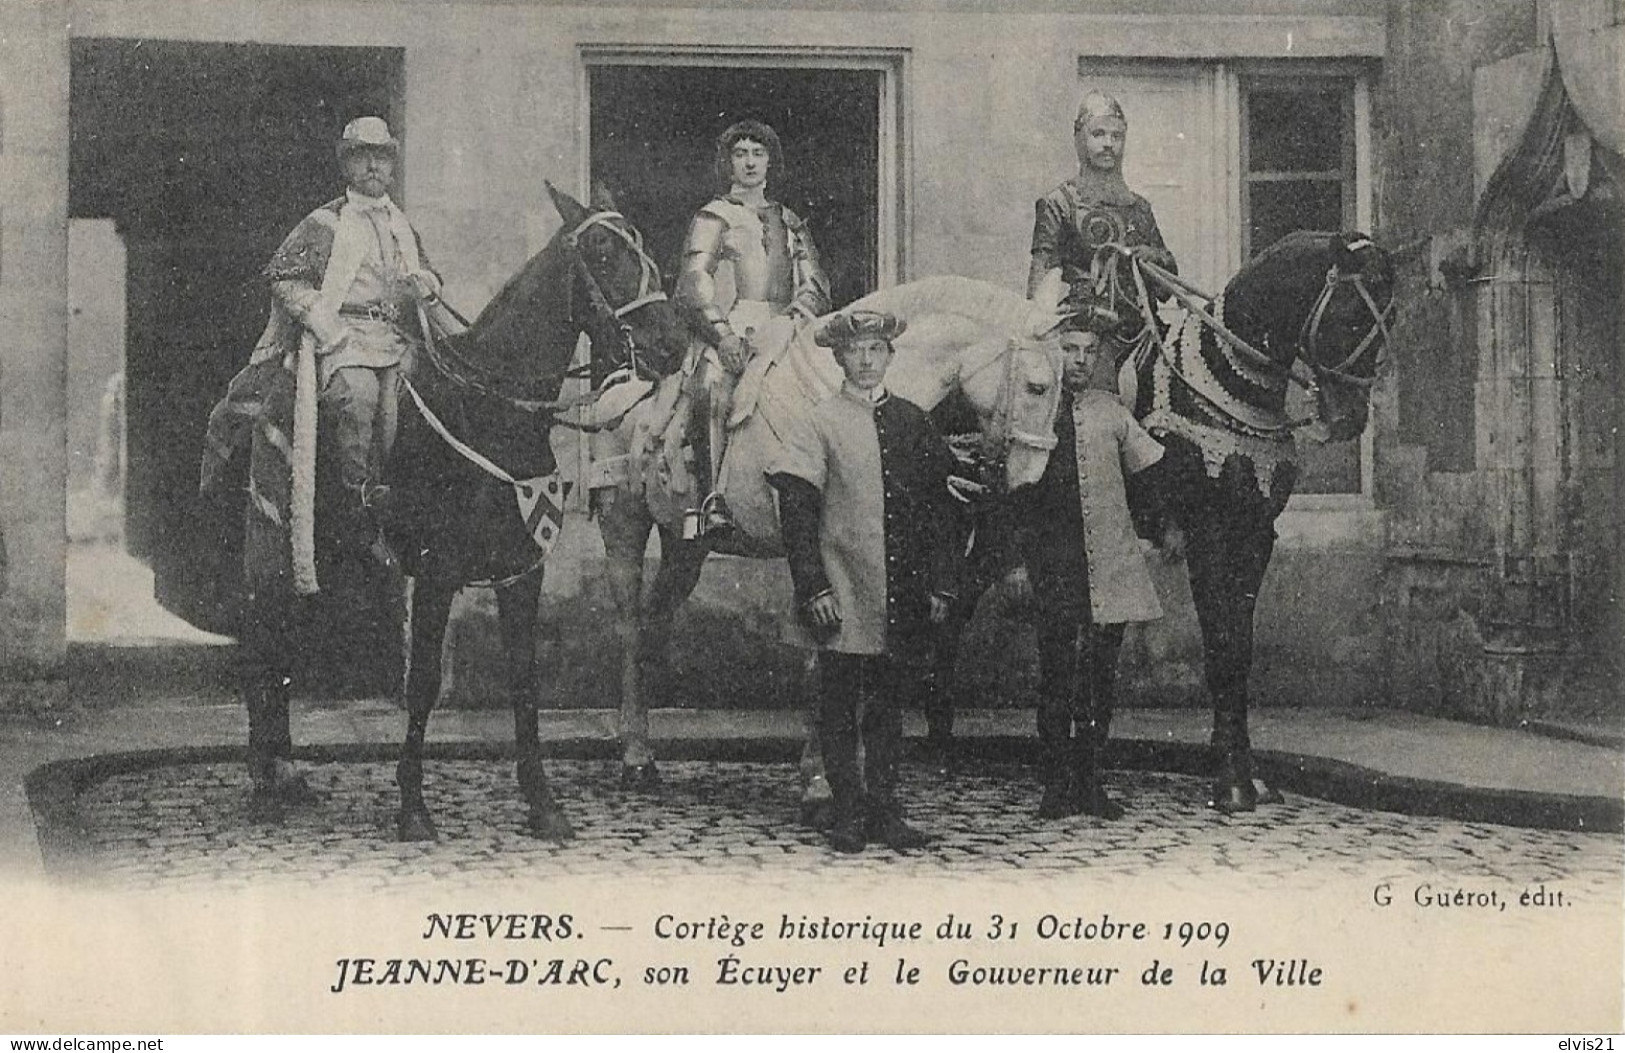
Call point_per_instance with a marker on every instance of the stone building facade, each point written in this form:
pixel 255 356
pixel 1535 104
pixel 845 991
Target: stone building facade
pixel 1462 556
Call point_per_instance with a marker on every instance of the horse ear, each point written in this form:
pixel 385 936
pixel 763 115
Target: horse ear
pixel 1352 250
pixel 570 209
pixel 602 200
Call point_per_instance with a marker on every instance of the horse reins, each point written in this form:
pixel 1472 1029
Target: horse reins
pixel 1002 435
pixel 649 290
pixel 1105 278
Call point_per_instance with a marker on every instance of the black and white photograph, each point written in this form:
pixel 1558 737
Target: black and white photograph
pixel 812 516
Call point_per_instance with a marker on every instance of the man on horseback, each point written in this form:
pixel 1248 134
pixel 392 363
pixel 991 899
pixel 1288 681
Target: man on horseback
pixel 347 287
pixel 352 275
pixel 1092 209
pixel 749 275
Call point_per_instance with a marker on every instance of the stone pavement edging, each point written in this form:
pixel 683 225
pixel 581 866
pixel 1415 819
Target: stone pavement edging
pixel 67 847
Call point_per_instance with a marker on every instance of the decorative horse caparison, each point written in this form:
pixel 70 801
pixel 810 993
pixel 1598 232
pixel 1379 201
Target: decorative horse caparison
pixel 993 346
pixel 494 388
pixel 1214 391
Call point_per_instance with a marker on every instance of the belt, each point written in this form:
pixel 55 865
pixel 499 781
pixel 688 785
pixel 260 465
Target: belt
pixel 378 312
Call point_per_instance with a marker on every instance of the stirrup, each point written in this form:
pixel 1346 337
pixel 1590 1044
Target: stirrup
pixel 711 517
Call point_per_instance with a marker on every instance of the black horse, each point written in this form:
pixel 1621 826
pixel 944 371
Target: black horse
pixel 473 495
pixel 1215 393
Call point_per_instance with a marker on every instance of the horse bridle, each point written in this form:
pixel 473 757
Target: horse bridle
pixel 1001 435
pixel 1309 335
pixel 649 290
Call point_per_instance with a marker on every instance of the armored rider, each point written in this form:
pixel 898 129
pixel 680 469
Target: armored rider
pixel 749 276
pixel 1093 208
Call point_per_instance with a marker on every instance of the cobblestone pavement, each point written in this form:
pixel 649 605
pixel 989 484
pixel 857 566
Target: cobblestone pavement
pixel 175 825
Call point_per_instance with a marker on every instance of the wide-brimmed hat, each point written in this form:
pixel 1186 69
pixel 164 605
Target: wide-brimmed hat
pixel 369 133
pixel 848 326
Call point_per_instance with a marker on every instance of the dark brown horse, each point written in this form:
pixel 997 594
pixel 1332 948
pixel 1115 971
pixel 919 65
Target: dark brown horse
pixel 474 497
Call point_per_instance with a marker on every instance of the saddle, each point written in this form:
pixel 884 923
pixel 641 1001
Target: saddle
pixel 775 387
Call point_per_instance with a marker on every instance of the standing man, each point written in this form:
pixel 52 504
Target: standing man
pixel 749 275
pixel 865 507
pixel 1088 575
pixel 1091 209
pixel 352 275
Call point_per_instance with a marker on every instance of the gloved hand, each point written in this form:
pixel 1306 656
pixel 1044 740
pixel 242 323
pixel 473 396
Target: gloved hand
pixel 733 353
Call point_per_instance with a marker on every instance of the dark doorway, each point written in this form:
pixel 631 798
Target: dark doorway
pixel 205 156
pixel 652 135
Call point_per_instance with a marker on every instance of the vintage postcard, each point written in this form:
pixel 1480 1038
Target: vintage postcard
pixel 821 516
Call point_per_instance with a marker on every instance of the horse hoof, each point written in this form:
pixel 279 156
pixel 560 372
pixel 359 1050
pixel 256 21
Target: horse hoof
pixel 414 824
pixel 640 778
pixel 264 807
pixel 1101 807
pixel 1268 794
pixel 549 824
pixel 1237 797
pixel 818 815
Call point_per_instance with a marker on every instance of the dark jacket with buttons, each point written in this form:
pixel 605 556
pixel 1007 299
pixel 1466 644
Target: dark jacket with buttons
pixel 867 516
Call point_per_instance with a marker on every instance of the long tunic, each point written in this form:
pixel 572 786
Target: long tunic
pixel 881 535
pixel 1081 498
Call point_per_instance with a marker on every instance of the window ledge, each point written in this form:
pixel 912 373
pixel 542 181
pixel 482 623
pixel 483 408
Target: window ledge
pixel 1330 521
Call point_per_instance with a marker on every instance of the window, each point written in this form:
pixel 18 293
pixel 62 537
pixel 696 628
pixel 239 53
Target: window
pixel 1298 158
pixel 1298 172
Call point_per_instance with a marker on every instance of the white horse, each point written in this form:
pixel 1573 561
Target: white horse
pixel 997 348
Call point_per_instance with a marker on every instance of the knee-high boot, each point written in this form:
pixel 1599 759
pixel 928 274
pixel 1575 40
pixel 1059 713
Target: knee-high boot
pixel 1099 680
pixel 882 745
pixel 1054 745
pixel 1089 759
pixel 1233 789
pixel 840 686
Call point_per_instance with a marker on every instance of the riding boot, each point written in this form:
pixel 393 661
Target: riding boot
pixel 840 682
pixel 1094 728
pixel 1089 758
pixel 1233 789
pixel 883 821
pixel 1060 785
pixel 938 703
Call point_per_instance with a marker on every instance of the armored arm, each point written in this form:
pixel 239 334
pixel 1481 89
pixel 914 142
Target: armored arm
pixel 696 280
pixel 1154 249
pixel 812 297
pixel 1046 251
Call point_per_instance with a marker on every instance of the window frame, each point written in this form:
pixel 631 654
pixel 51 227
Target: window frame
pixel 1356 76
